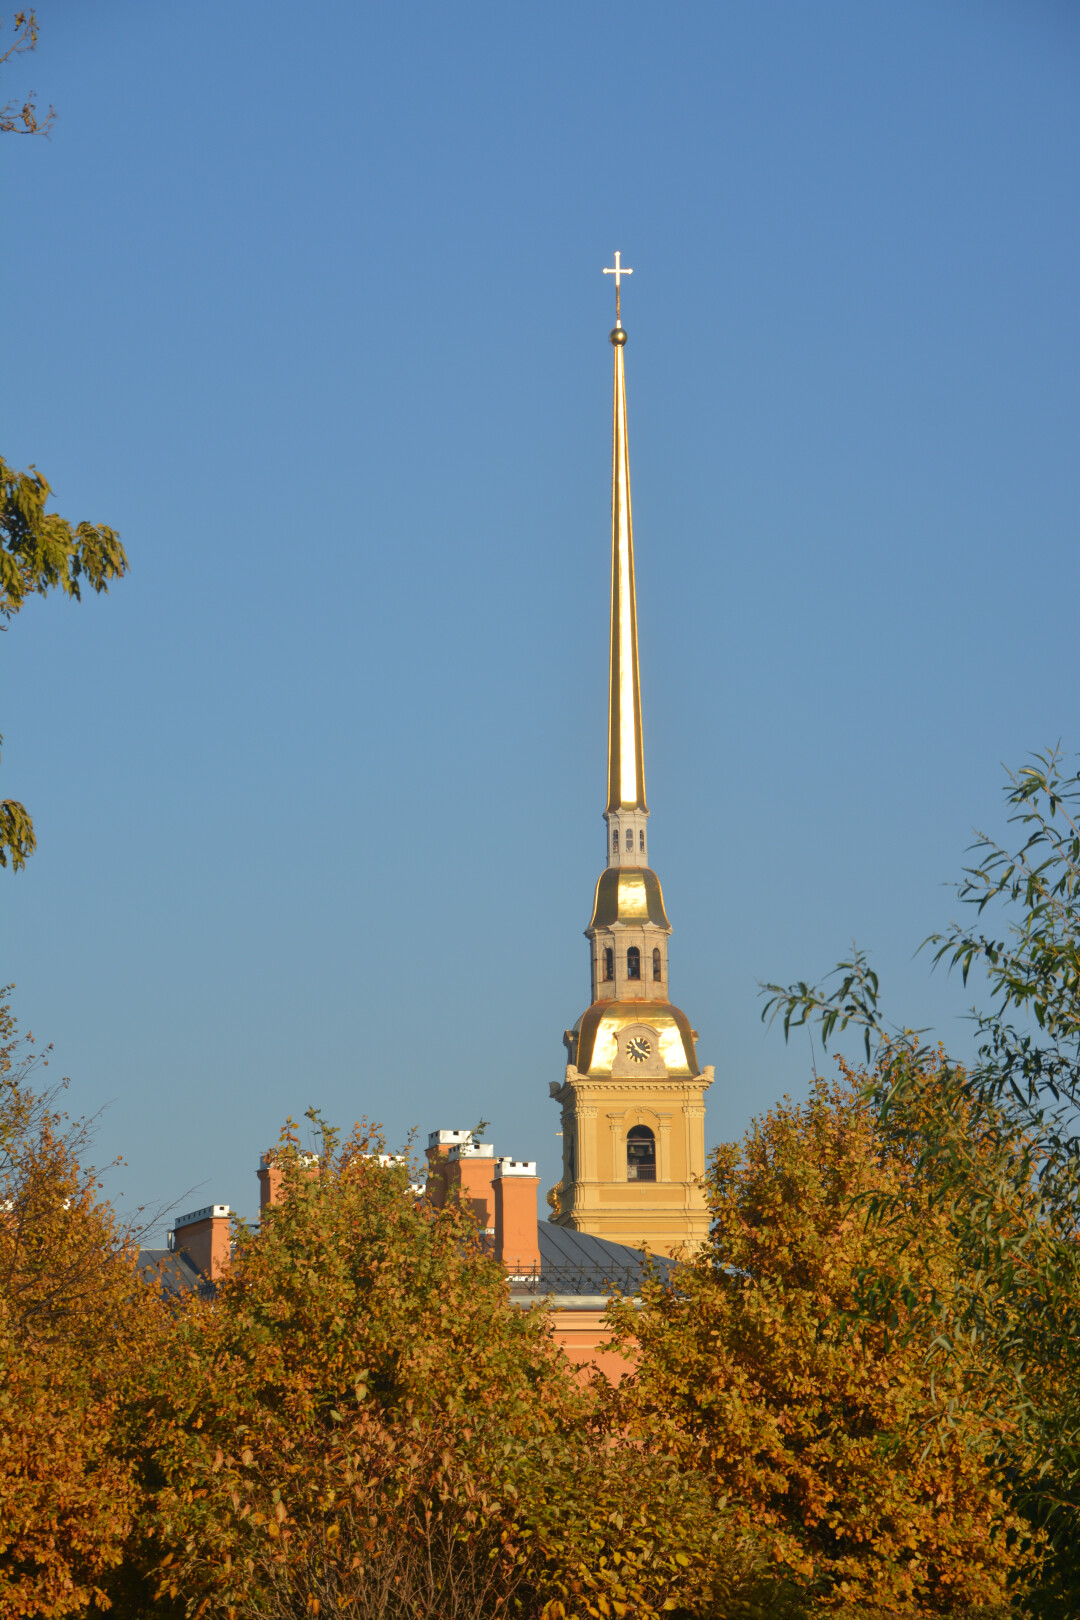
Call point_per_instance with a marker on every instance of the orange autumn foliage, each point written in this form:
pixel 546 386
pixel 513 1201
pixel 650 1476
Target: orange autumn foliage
pixel 818 1425
pixel 360 1423
pixel 71 1318
pixel 67 1501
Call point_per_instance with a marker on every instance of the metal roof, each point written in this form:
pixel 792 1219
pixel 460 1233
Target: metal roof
pixel 578 1263
pixel 175 1271
pixel 571 1264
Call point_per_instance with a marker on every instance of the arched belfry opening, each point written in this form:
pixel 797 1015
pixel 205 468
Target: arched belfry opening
pixel 640 1154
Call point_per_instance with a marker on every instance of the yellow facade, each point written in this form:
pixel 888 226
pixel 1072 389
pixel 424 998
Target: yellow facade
pixel 666 1214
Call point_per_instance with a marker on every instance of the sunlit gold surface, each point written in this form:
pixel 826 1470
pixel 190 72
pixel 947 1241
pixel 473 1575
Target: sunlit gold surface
pixel 626 767
pixel 628 894
pixel 597 1032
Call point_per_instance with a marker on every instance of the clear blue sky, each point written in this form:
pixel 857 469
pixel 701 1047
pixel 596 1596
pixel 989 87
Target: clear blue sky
pixel 307 303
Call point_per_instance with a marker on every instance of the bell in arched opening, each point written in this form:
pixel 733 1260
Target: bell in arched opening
pixel 640 1154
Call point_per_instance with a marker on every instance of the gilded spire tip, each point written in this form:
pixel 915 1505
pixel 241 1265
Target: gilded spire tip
pixel 626 763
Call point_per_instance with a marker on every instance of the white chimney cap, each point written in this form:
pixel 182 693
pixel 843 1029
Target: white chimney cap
pixel 447 1138
pixel 515 1167
pixel 212 1212
pixel 472 1150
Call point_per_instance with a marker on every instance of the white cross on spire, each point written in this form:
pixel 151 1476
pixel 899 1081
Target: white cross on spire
pixel 618 270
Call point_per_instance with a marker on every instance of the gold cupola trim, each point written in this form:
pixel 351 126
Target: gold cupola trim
pixel 630 895
pixel 593 1043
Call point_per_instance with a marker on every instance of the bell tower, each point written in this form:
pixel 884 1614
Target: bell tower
pixel 633 1097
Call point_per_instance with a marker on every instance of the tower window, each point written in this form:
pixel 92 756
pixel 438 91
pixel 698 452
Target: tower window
pixel 629 840
pixel 656 965
pixel 633 963
pixel 640 1154
pixel 641 841
pixel 615 842
pixel 609 961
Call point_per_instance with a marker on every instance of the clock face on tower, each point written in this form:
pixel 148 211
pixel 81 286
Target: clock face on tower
pixel 638 1049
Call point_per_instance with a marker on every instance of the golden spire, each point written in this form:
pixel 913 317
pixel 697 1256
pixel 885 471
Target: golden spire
pixel 626 762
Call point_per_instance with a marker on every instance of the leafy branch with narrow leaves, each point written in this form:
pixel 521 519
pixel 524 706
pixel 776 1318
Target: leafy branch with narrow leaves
pixel 40 551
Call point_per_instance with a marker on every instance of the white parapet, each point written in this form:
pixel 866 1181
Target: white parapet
pixel 447 1138
pixel 212 1212
pixel 515 1167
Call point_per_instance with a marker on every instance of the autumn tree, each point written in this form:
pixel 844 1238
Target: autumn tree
pixel 72 1317
pixel 1013 1203
pixel 363 1424
pixel 814 1423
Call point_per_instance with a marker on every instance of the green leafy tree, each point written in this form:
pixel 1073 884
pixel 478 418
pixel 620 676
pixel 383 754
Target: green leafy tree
pixel 40 552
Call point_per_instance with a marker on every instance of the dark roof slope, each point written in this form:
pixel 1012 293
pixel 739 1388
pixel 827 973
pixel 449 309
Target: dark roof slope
pixel 175 1271
pixel 578 1263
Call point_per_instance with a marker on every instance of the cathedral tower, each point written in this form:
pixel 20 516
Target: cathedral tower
pixel 633 1109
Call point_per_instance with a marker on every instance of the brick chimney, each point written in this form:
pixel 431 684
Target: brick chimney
pixel 205 1237
pixel 517 1243
pixel 439 1144
pixel 468 1168
pixel 269 1180
pixel 271 1176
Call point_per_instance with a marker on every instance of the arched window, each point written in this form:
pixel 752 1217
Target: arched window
pixel 641 841
pixel 657 971
pixel 633 963
pixel 609 962
pixel 629 840
pixel 640 1154
pixel 615 842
